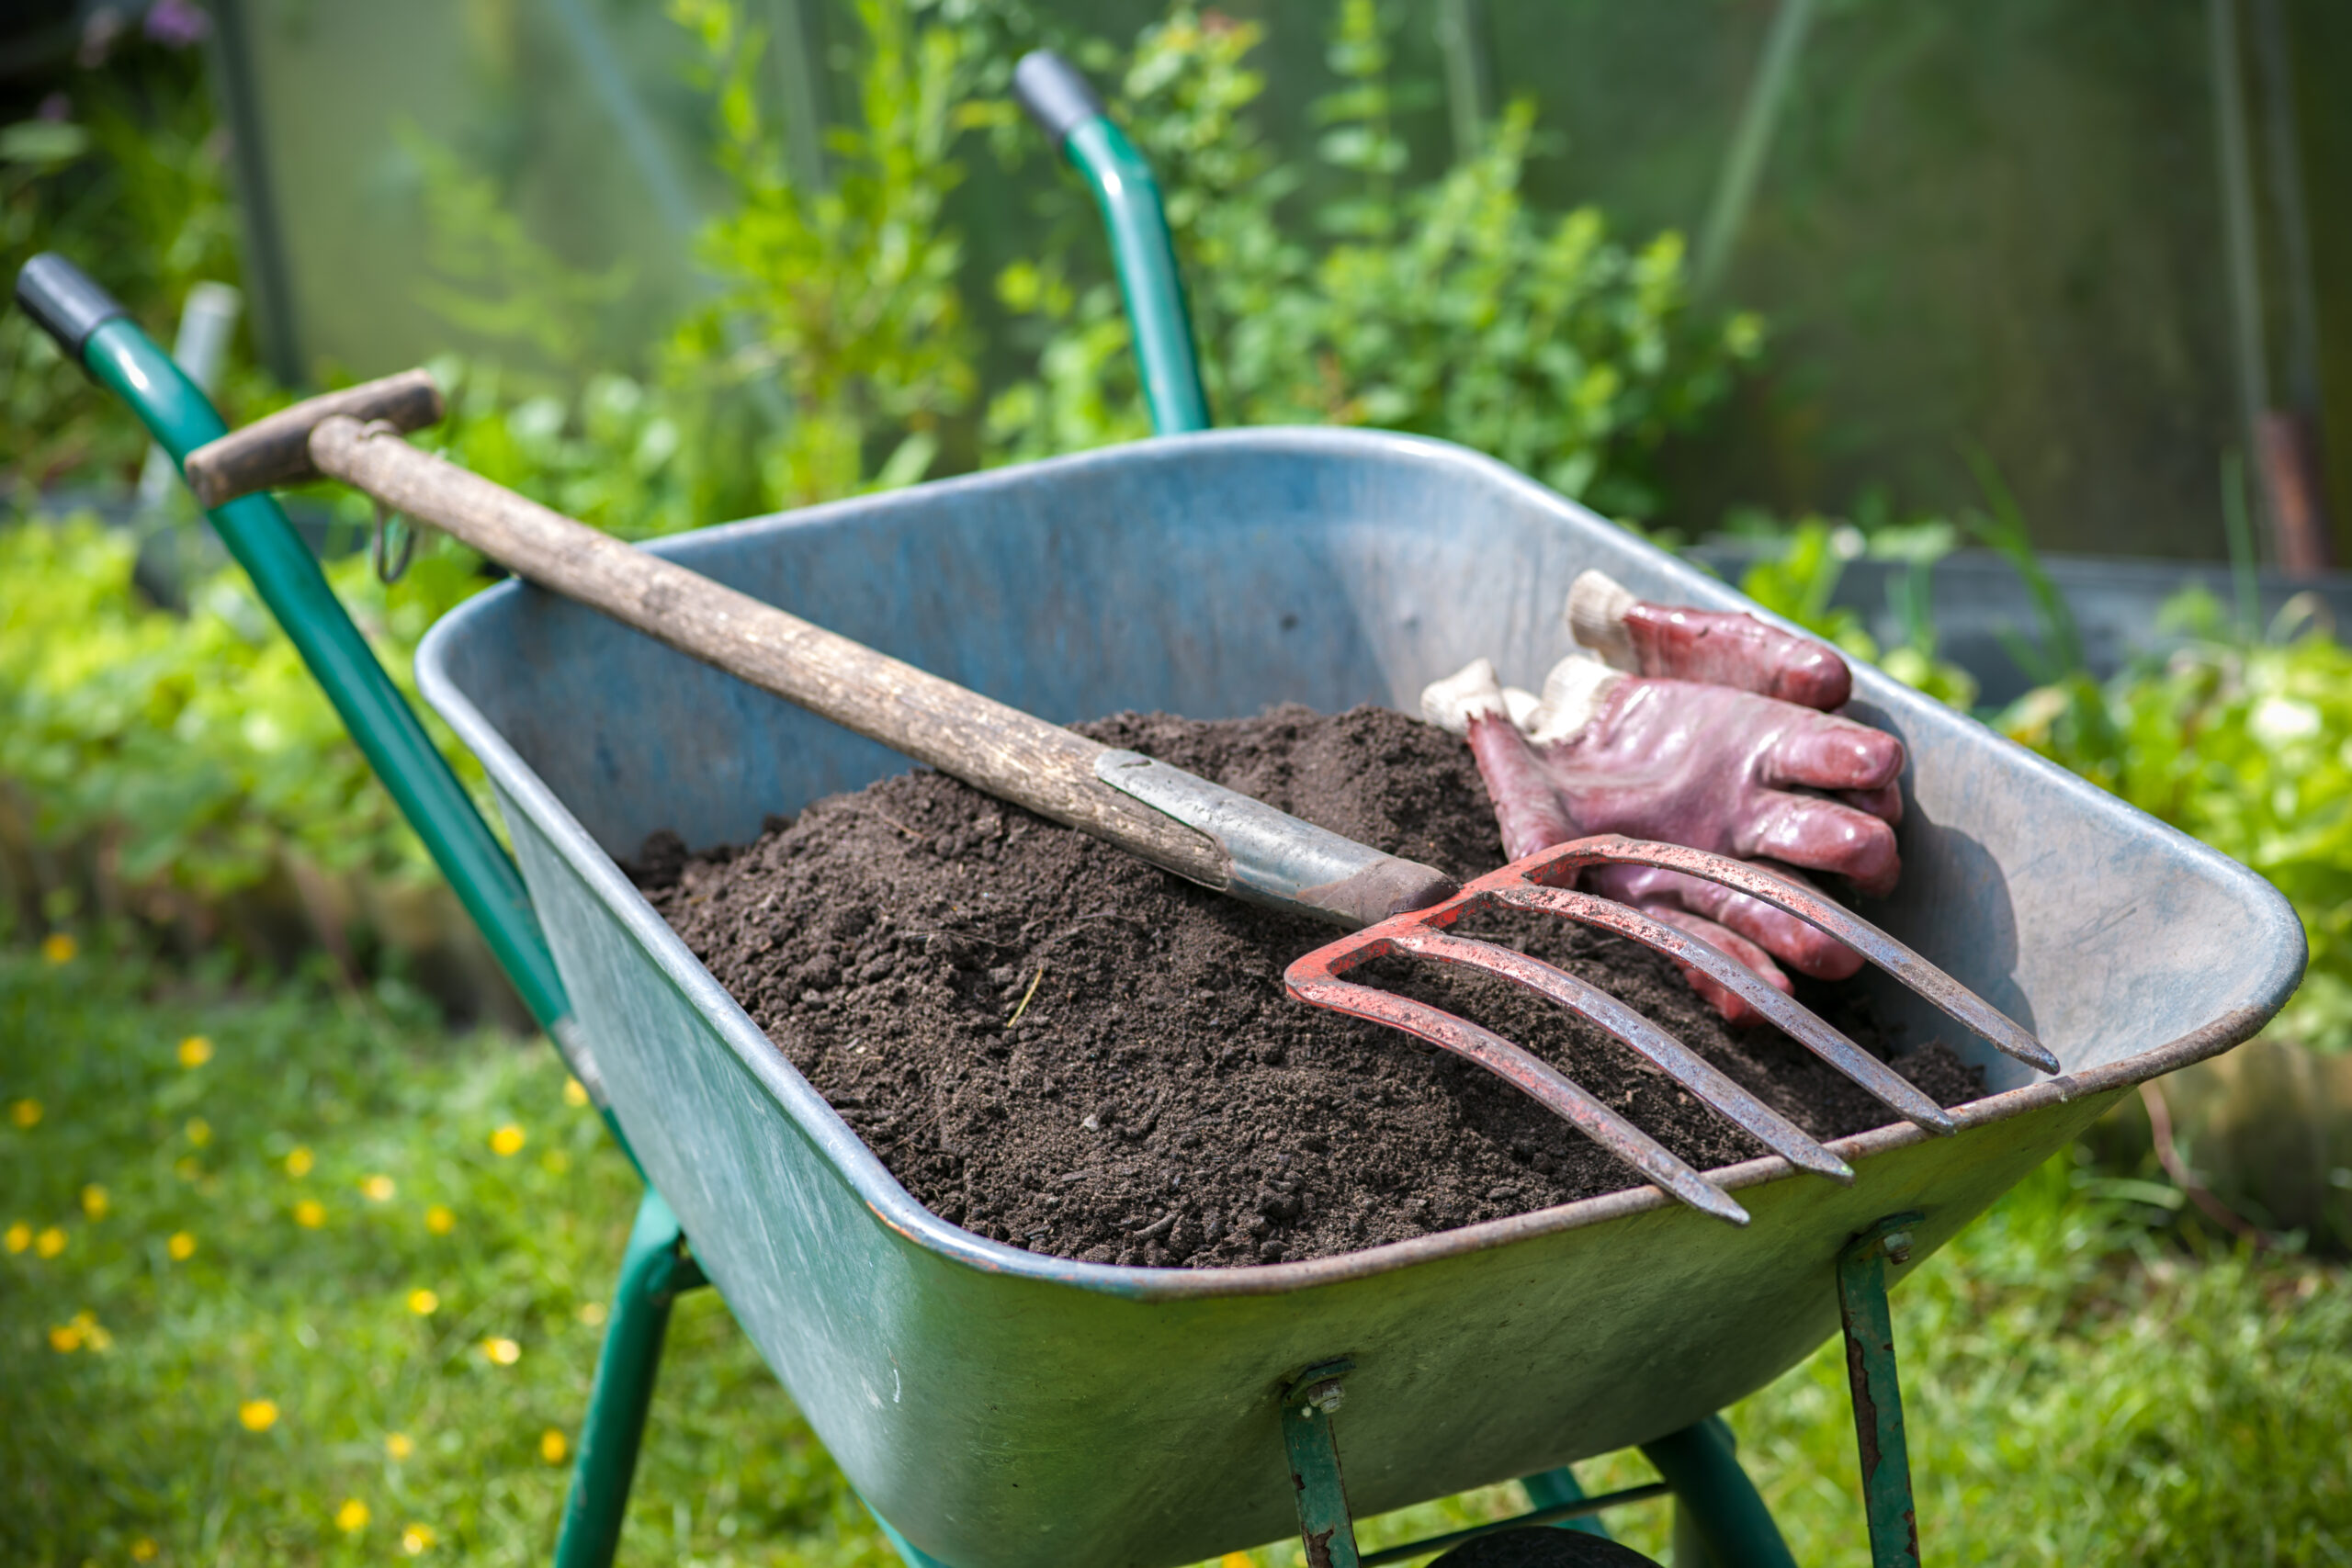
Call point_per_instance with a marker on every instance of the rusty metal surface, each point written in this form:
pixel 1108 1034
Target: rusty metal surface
pixel 1006 1409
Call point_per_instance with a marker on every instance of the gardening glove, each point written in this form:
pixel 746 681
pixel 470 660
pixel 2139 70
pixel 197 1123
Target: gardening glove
pixel 1719 648
pixel 1714 767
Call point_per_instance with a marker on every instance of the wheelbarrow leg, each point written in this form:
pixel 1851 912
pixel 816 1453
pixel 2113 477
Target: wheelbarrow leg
pixel 1719 1520
pixel 1878 1396
pixel 1325 1529
pixel 1556 1488
pixel 654 1270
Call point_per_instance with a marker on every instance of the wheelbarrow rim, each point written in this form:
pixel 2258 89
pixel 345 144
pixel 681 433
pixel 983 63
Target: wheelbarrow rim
pixel 2272 979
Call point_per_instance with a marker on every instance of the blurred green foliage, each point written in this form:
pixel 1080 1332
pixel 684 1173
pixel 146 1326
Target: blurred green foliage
pixel 1798 569
pixel 2078 1392
pixel 324 1156
pixel 134 177
pixel 833 354
pixel 2246 742
pixel 1449 309
pixel 196 746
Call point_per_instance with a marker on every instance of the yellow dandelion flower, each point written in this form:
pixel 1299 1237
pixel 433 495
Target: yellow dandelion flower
pixel 59 947
pixel 552 1446
pixel 501 1352
pixel 439 1220
pixel 194 1051
pixel 94 1200
pixel 19 1236
pixel 415 1538
pixel 507 1139
pixel 143 1550
pixel 398 1445
pixel 377 1189
pixel 300 1161
pixel 310 1213
pixel 259 1414
pixel 25 1112
pixel 199 1131
pixel 352 1518
pixel 425 1304
pixel 591 1313
pixel 50 1242
pixel 66 1338
pixel 575 1093
pixel 182 1247
pixel 1235 1560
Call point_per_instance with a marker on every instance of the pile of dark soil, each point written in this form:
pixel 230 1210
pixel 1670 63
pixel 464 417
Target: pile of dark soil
pixel 1055 1045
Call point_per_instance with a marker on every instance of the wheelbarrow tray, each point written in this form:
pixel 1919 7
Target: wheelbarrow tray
pixel 1000 1407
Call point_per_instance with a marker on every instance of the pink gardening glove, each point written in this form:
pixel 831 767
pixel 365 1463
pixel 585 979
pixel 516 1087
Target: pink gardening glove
pixel 1712 766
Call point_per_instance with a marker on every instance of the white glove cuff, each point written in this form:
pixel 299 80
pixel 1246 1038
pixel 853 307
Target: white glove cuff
pixel 1595 615
pixel 1475 690
pixel 1573 692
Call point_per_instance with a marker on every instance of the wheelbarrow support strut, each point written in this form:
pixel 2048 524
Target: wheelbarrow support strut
pixel 655 1270
pixel 1720 1521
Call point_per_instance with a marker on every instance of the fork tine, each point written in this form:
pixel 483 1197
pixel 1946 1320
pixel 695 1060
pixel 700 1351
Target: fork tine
pixel 1794 1019
pixel 1312 980
pixel 1955 1000
pixel 1678 1061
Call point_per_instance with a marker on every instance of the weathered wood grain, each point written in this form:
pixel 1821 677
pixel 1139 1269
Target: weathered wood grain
pixel 275 450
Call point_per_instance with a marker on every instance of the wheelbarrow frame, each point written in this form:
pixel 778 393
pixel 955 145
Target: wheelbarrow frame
pixel 1720 1513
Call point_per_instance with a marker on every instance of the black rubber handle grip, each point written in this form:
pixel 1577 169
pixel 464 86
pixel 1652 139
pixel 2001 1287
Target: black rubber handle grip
pixel 1057 96
pixel 63 301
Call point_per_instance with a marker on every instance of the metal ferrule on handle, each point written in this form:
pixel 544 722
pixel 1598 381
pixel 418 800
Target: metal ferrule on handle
pixel 1276 859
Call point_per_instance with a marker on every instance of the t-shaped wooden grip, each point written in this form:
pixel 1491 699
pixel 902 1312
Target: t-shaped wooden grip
pixel 275 451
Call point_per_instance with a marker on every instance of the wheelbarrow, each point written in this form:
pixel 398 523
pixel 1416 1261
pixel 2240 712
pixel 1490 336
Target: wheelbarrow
pixel 997 1406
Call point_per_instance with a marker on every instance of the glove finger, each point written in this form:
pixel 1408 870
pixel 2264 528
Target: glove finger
pixel 1732 1008
pixel 1804 948
pixel 1886 804
pixel 1821 835
pixel 1527 808
pixel 1732 649
pixel 1473 702
pixel 1829 752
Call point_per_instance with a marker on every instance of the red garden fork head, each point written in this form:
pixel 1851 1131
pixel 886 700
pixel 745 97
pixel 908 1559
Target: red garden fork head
pixel 1543 881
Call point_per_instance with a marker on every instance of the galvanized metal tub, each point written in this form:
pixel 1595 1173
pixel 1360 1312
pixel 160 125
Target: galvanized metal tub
pixel 1003 1408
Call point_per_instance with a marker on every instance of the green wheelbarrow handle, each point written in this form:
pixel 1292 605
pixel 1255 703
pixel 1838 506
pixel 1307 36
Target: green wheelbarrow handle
pixel 1066 108
pixel 91 328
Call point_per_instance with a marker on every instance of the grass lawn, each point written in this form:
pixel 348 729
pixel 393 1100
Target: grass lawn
pixel 301 1279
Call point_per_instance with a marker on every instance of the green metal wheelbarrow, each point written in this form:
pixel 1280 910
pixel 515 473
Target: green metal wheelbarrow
pixel 995 1406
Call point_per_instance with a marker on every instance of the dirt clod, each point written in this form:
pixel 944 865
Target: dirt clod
pixel 1055 1045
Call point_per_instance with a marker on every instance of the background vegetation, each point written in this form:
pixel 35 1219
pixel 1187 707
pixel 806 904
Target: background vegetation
pixel 301 1278
pixel 256 1232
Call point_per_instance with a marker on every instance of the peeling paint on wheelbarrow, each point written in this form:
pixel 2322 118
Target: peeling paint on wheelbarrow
pixel 1003 1408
